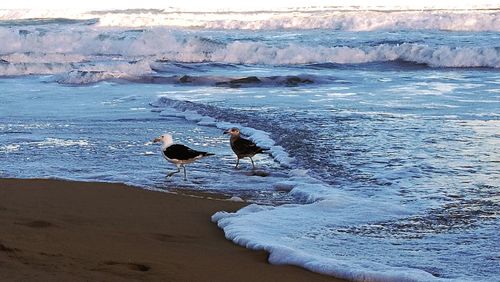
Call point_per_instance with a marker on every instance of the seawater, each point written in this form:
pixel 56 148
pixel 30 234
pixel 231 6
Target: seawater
pixel 383 133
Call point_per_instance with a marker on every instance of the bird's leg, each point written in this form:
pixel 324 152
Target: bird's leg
pixel 184 167
pixel 237 162
pixel 253 165
pixel 174 172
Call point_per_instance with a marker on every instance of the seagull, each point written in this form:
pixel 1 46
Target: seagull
pixel 243 147
pixel 178 154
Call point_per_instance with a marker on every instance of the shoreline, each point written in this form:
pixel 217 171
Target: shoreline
pixel 92 231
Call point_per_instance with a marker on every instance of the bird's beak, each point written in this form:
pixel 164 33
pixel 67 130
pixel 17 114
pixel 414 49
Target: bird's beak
pixel 226 132
pixel 156 140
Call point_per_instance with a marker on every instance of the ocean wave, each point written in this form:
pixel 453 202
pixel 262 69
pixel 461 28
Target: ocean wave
pixel 93 73
pixel 139 54
pixel 181 61
pixel 328 18
pixel 47 21
pixel 441 56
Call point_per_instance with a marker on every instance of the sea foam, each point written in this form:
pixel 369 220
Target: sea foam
pixel 85 55
pixel 286 244
pixel 319 18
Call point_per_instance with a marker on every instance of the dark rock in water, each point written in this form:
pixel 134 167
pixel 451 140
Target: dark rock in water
pixel 238 82
pixel 24 32
pixel 86 73
pixel 250 79
pixel 295 80
pixel 224 83
pixel 185 79
pixel 2 61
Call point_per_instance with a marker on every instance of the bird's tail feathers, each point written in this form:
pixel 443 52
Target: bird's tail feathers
pixel 205 154
pixel 263 150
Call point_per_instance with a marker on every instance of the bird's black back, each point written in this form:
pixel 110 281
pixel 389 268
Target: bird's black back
pixel 181 152
pixel 243 147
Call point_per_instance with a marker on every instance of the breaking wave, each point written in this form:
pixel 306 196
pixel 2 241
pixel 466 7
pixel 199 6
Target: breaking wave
pixel 85 55
pixel 336 18
pixel 141 45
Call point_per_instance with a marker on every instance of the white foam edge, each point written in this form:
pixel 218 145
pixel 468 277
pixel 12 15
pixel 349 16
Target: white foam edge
pixel 237 229
pixel 355 271
pixel 236 199
pixel 318 196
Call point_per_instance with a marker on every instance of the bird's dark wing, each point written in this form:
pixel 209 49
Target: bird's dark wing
pixel 242 146
pixel 181 152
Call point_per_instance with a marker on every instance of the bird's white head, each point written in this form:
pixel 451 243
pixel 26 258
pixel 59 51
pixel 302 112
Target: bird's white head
pixel 166 140
pixel 233 131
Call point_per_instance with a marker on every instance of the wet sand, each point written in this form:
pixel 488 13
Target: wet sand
pixel 53 230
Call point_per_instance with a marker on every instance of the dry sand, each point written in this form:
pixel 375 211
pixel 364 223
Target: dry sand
pixel 72 231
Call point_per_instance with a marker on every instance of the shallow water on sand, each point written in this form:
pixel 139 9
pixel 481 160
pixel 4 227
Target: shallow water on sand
pixel 433 155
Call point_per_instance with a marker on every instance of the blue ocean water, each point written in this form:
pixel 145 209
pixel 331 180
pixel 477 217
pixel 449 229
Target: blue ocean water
pixel 383 126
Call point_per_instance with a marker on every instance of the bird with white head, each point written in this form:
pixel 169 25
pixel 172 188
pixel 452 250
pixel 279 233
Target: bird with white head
pixel 178 154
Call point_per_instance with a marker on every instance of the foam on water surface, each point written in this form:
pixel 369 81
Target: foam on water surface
pixel 82 52
pixel 339 18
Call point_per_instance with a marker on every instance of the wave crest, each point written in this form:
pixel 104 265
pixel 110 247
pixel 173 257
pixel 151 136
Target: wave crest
pixel 176 58
pixel 118 52
pixel 338 19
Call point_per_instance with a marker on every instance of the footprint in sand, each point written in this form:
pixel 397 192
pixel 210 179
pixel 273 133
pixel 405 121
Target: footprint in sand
pixel 129 265
pixel 37 224
pixel 4 248
pixel 173 238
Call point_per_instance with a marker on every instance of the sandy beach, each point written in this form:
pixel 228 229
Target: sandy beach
pixel 53 230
